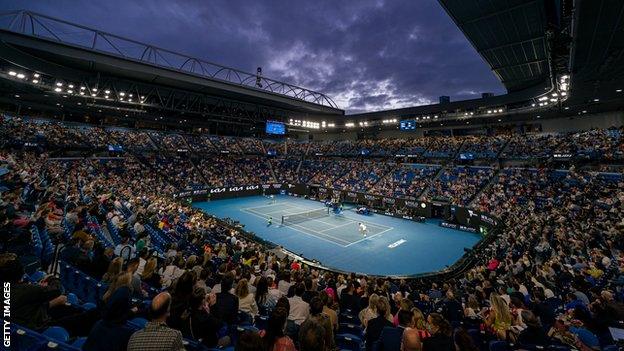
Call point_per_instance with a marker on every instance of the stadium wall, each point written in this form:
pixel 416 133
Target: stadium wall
pixel 584 122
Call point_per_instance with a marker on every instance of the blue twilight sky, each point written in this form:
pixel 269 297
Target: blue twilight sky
pixel 368 55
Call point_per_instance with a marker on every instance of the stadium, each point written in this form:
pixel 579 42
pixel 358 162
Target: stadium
pixel 156 200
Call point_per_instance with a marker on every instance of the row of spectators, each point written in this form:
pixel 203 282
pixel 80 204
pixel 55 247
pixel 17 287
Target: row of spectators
pixel 600 144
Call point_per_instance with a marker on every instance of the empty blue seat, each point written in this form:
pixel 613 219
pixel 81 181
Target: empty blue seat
pixel 57 333
pixel 79 342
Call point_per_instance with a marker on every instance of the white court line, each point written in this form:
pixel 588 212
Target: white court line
pixel 368 237
pixel 306 233
pixel 381 226
pixel 317 232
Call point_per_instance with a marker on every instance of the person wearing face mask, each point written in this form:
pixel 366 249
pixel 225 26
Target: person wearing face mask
pixel 441 334
pixel 202 325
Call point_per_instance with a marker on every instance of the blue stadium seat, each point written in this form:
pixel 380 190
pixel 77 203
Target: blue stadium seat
pixel 347 328
pixel 37 276
pixel 349 342
pixel 72 299
pixel 349 319
pixel 57 333
pixel 499 346
pixel 138 322
pixel 79 342
pixel 261 322
pixel 89 306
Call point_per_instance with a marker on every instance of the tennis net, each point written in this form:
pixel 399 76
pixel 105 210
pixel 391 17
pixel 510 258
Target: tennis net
pixel 305 216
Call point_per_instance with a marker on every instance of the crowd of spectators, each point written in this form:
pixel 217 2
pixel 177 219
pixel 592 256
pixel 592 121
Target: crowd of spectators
pixel 406 180
pixel 459 185
pixel 132 139
pixel 331 171
pixel 221 171
pixel 226 144
pixel 483 147
pixel 251 146
pixel 362 175
pixel 594 144
pixel 553 276
pixel 285 169
pixel 442 147
pixel 530 146
pixel 178 170
pixel 169 141
pixel 200 144
pixel 256 168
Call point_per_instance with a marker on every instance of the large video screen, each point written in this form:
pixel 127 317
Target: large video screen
pixel 408 124
pixel 273 127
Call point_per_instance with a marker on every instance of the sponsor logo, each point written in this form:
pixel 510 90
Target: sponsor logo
pixel 396 243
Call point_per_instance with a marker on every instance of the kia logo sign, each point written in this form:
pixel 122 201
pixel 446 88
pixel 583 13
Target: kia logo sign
pixel 217 190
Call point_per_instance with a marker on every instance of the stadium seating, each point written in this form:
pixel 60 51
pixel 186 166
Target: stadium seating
pixel 560 235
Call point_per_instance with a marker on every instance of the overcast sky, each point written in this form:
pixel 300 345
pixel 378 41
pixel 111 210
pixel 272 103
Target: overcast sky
pixel 366 55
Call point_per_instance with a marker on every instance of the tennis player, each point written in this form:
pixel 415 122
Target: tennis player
pixel 362 229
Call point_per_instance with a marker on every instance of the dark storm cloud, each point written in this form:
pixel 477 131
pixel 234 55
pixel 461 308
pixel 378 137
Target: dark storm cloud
pixel 367 55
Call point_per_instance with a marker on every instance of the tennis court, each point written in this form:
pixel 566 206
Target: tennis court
pixel 393 246
pixel 335 228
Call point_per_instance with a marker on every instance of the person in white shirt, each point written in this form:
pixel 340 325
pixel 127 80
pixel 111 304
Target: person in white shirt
pixel 124 249
pixel 273 291
pixel 299 309
pixel 284 284
pixel 362 228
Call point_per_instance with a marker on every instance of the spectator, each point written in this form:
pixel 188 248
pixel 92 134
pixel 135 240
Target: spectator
pixel 114 268
pixel 226 307
pixel 317 316
pixel 499 319
pixel 249 341
pixel 156 336
pixel 202 325
pixel 377 324
pixel 246 301
pixel 534 333
pixel 111 332
pixel 312 336
pixel 299 310
pixel 440 339
pixel 264 300
pixel 274 338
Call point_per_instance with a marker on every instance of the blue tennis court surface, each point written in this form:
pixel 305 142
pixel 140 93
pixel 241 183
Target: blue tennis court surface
pixel 392 246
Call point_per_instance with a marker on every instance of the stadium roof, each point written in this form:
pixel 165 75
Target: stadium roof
pixel 72 52
pixel 555 57
pixel 510 36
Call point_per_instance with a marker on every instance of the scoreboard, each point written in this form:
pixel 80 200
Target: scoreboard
pixel 408 124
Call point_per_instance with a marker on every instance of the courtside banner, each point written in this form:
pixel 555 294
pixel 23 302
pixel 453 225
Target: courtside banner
pixel 226 192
